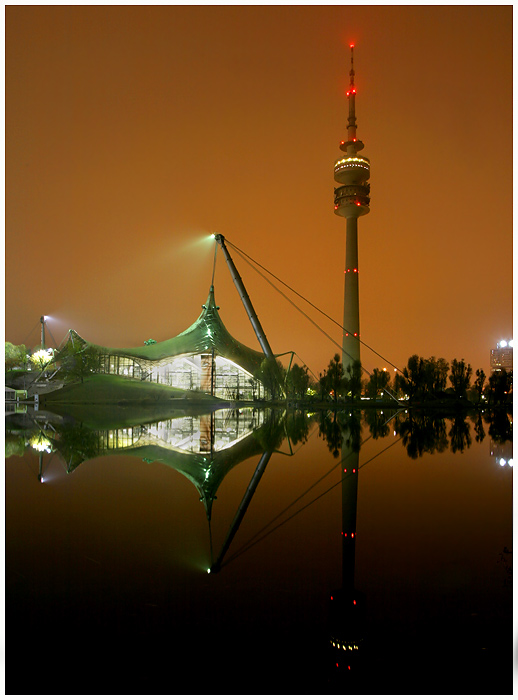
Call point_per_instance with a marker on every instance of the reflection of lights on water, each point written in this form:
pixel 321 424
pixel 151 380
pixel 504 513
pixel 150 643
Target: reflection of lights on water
pixel 49 478
pixel 41 444
pixel 344 645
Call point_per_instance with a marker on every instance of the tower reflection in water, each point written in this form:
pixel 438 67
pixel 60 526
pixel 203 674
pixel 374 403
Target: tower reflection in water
pixel 347 605
pixel 205 448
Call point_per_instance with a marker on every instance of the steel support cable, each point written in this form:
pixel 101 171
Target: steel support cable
pixel 292 454
pixel 306 365
pixel 310 303
pixel 48 329
pixel 58 348
pixel 53 339
pixel 310 319
pixel 292 302
pixel 311 487
pixel 29 334
pixel 254 541
pixel 321 478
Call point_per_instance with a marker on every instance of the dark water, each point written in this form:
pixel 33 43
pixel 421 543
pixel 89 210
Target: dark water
pixel 107 589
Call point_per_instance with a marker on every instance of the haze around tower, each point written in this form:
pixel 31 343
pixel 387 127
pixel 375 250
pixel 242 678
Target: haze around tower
pixel 133 132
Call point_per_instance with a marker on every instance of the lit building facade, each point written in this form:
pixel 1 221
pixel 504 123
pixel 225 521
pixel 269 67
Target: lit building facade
pixel 204 358
pixel 351 200
pixel 502 356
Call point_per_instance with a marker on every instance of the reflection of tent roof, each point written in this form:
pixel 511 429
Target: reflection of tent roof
pixel 205 471
pixel 206 332
pixel 78 444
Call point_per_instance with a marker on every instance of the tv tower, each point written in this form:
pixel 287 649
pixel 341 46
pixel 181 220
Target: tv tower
pixel 351 201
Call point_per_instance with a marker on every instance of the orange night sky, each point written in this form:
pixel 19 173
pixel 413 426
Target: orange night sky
pixel 132 132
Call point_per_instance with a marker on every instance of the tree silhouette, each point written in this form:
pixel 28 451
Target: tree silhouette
pixel 15 356
pixel 480 433
pixel 353 380
pixel 460 377
pixel 478 384
pixel 330 430
pixel 423 378
pixel 378 382
pixel 77 362
pixel 436 371
pixel 378 424
pixel 323 385
pixel 411 379
pixel 335 376
pixel 297 381
pixel 297 427
pixel 460 438
pixel 271 375
pixel 422 433
pixel 500 386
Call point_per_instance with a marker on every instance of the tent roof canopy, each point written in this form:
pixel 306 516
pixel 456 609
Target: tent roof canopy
pixel 207 333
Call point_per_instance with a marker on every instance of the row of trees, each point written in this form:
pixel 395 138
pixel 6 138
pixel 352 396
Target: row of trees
pixel 422 380
pixel 421 432
pixel 19 357
pixel 75 363
pixel 426 379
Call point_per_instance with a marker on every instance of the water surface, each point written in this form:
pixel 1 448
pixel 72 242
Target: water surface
pixel 110 534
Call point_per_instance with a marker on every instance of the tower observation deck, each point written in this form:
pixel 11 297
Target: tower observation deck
pixel 351 200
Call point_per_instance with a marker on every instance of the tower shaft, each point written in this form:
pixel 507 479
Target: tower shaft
pixel 352 200
pixel 350 466
pixel 351 324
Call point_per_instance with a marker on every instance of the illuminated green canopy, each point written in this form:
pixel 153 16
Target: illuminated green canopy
pixel 207 333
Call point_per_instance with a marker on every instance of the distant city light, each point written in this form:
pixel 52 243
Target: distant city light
pixel 505 343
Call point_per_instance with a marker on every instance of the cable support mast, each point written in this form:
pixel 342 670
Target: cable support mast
pixel 252 264
pixel 256 325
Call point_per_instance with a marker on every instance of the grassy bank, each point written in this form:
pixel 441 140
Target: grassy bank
pixel 109 389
